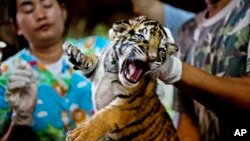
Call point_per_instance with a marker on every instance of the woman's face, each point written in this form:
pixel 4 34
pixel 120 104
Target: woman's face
pixel 41 22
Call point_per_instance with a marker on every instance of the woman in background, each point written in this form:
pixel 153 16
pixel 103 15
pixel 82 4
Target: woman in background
pixel 41 96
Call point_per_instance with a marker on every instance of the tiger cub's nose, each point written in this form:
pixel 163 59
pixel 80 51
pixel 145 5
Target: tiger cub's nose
pixel 152 56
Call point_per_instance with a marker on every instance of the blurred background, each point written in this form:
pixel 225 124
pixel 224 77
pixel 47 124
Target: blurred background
pixel 86 17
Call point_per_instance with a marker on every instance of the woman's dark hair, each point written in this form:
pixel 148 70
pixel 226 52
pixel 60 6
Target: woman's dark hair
pixel 12 11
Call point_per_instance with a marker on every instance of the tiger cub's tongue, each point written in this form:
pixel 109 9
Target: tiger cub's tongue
pixel 133 72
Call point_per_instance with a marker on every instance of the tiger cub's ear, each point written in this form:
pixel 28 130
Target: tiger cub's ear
pixel 118 29
pixel 112 34
pixel 171 46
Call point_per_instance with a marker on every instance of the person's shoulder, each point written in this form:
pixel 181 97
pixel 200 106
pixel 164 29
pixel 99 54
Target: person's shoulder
pixel 188 27
pixel 100 38
pixel 7 67
pixel 90 44
pixel 9 64
pixel 100 41
pixel 89 40
pixel 192 23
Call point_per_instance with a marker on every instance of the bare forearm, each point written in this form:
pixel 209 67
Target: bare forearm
pixel 186 122
pixel 209 89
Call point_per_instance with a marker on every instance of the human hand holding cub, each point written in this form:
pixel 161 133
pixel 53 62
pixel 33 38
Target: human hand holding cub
pixel 170 71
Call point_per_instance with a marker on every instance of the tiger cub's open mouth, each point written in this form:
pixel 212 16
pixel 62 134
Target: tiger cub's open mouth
pixel 133 70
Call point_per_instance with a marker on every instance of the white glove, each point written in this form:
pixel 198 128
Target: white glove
pixel 170 72
pixel 21 94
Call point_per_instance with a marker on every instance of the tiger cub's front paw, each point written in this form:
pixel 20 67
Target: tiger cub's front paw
pixel 84 62
pixel 82 133
pixel 76 57
pixel 74 54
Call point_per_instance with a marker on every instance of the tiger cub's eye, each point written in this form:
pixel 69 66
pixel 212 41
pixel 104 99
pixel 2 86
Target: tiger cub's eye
pixel 139 36
pixel 161 49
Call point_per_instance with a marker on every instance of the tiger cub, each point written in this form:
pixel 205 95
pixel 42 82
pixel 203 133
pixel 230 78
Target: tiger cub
pixel 124 84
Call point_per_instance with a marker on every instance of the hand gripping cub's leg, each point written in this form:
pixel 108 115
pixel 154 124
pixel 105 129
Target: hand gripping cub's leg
pixel 84 62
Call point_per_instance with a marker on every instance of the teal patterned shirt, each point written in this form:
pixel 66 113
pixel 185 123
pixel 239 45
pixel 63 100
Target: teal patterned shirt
pixel 63 101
